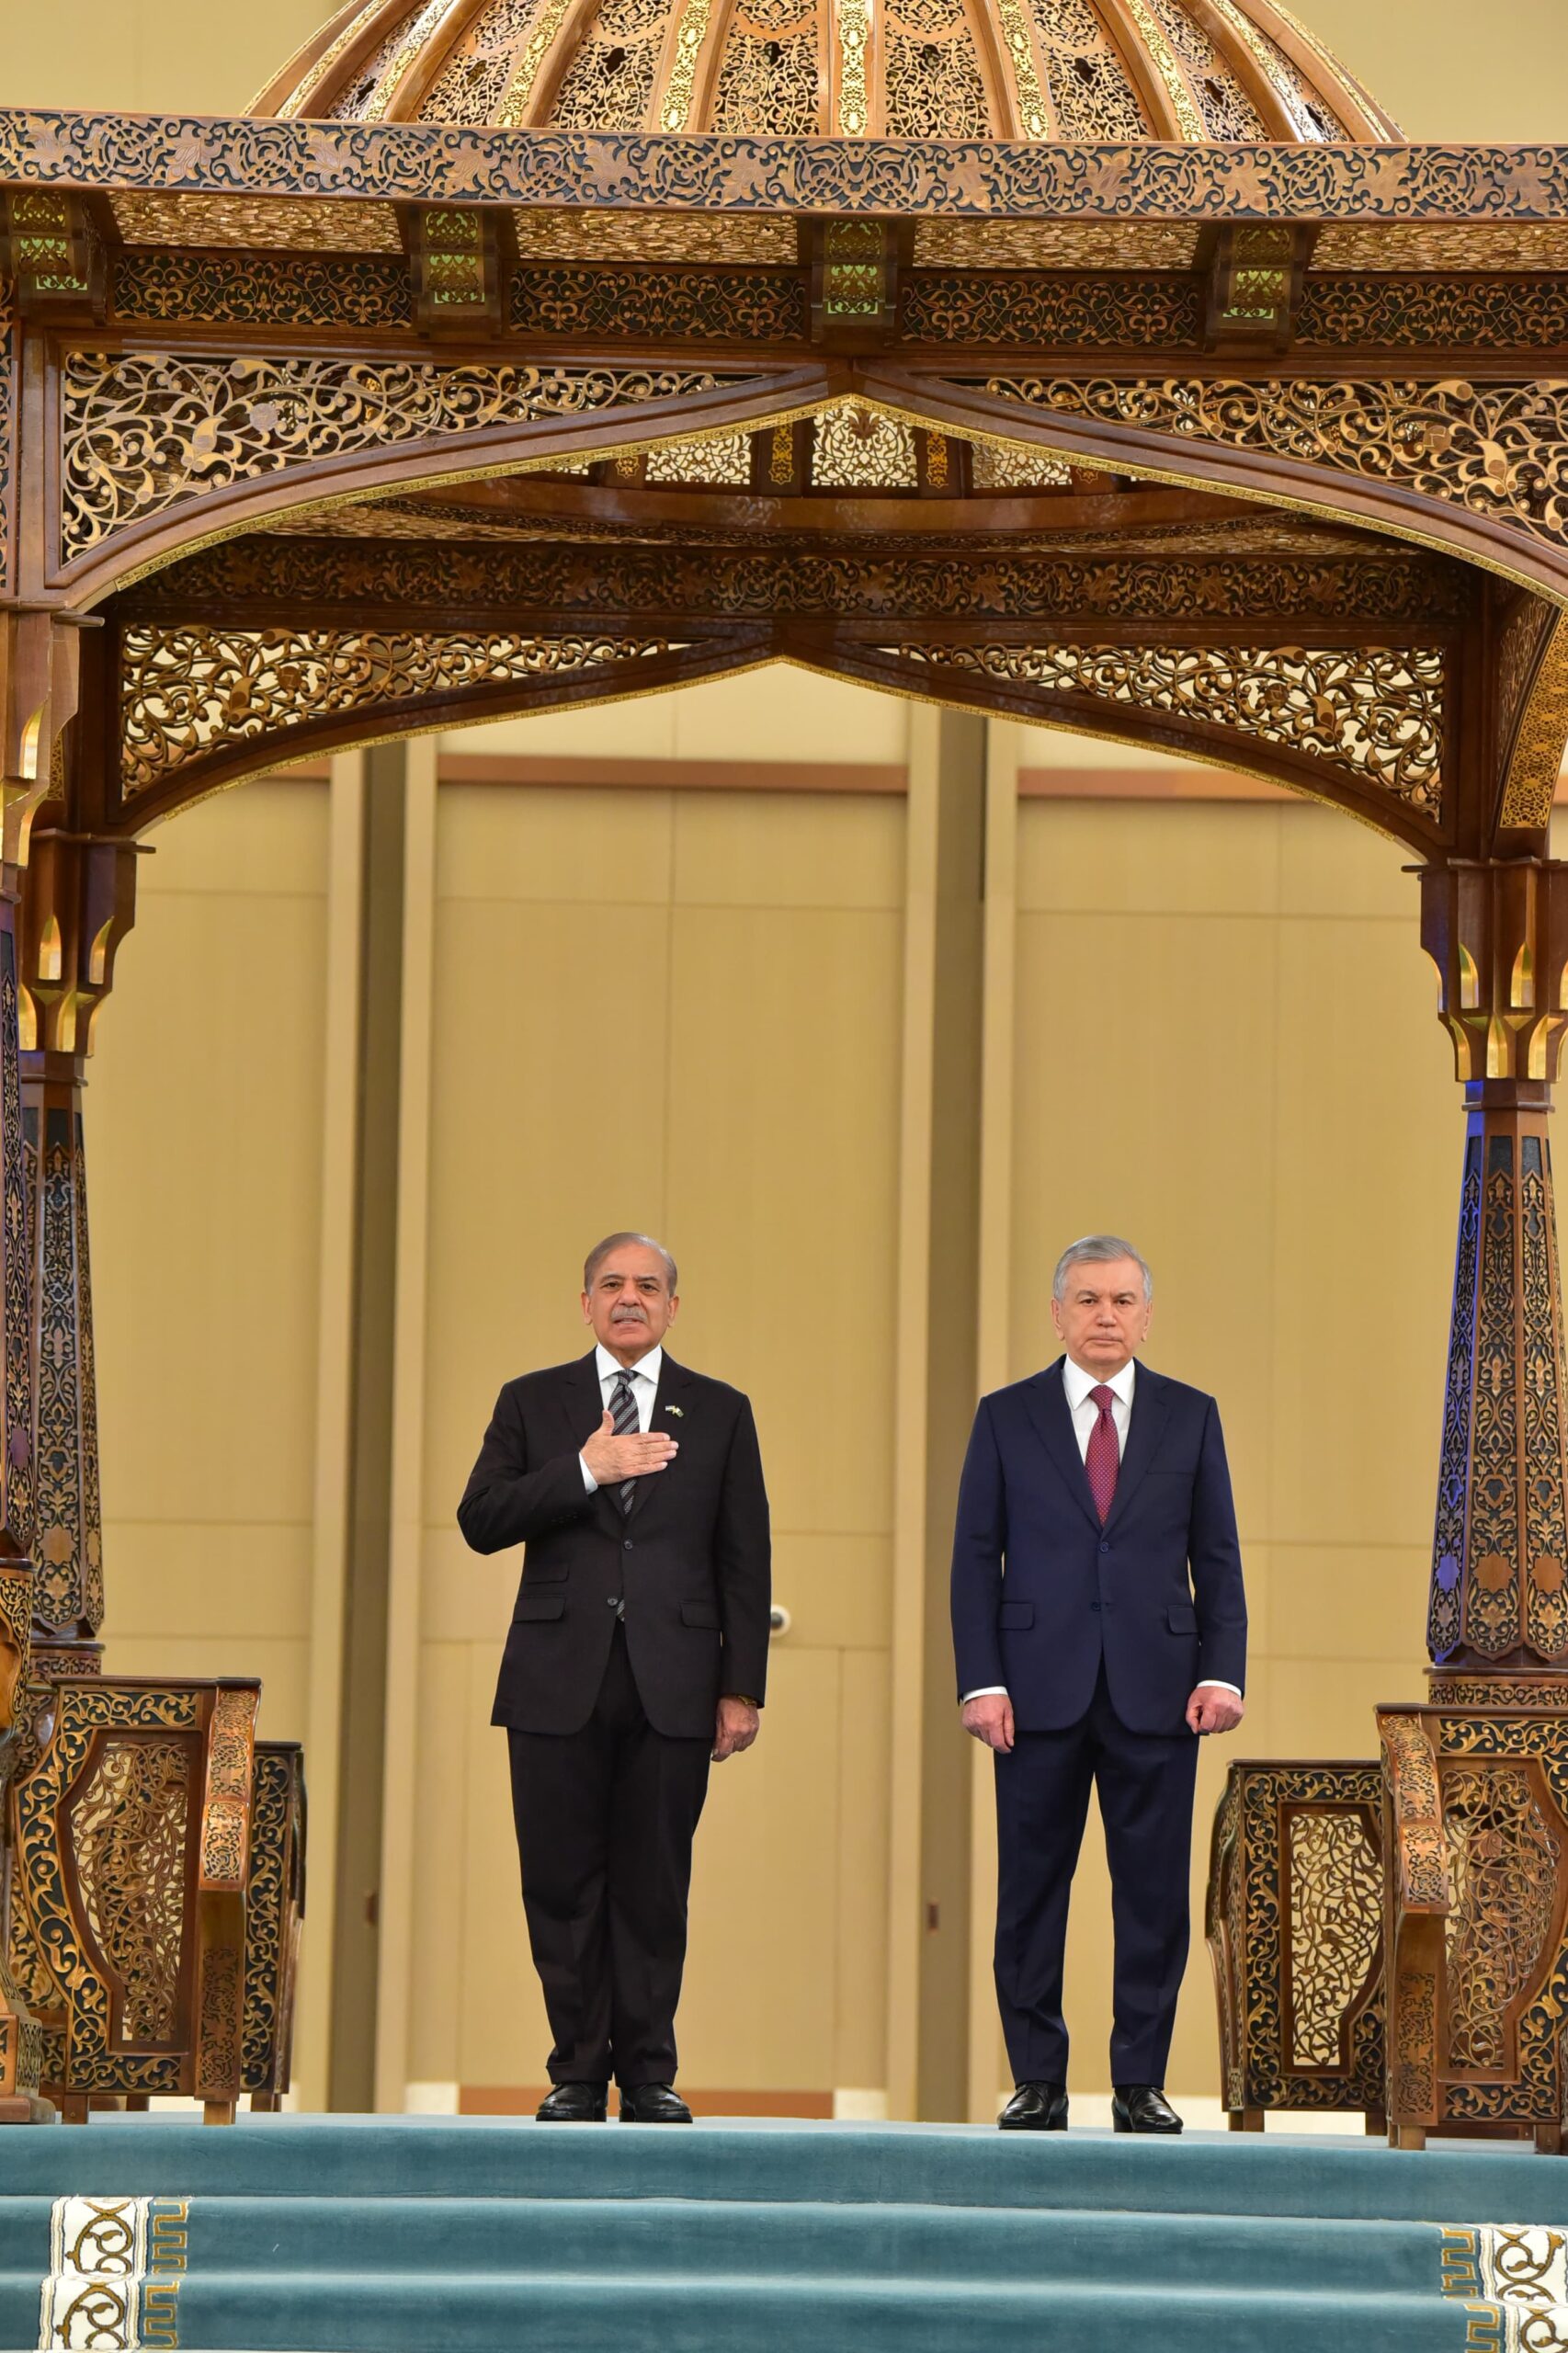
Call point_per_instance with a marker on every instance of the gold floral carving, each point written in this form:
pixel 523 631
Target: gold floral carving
pixel 1335 1887
pixel 313 78
pixel 1413 2060
pixel 143 430
pixel 858 448
pixel 631 236
pixel 1502 1863
pixel 188 693
pixel 297 224
pixel 1055 245
pixel 1412 1774
pixel 1034 110
pixel 422 27
pixel 127 1836
pixel 852 33
pixel 998 466
pixel 225 1812
pixel 1189 123
pixel 1537 758
pixel 690 32
pixel 1496 450
pixel 1377 714
pixel 1421 245
pixel 719 461
pixel 514 106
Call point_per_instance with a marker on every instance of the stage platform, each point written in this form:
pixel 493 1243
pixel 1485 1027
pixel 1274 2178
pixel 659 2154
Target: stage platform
pixel 328 2234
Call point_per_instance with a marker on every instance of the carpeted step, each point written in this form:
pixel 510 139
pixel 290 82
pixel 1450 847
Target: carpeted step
pixel 392 2312
pixel 607 2239
pixel 957 2165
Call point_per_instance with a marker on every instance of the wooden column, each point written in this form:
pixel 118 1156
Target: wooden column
pixel 1499 1590
pixel 78 902
pixel 939 1220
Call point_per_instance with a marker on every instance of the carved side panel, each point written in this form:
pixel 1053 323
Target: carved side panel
pixel 76 1943
pixel 1504 1862
pixel 1492 1600
pixel 69 1537
pixel 1444 1623
pixel 274 1910
pixel 1295 1932
pixel 17 1498
pixel 1333 1886
pixel 128 1827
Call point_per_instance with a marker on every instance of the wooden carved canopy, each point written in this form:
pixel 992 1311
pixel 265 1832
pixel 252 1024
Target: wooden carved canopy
pixel 1244 437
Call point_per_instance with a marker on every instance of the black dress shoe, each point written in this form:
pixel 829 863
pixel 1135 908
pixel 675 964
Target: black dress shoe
pixel 1142 2107
pixel 652 2104
pixel 574 2104
pixel 1036 2108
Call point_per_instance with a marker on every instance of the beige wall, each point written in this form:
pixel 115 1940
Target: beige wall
pixel 203 1125
pixel 679 1012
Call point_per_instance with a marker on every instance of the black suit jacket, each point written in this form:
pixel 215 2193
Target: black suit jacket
pixel 1042 1593
pixel 691 1562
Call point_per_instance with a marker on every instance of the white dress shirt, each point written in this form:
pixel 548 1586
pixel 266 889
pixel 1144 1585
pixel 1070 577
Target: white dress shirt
pixel 643 1378
pixel 1080 1387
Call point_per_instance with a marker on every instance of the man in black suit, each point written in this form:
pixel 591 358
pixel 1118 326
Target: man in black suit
pixel 637 1656
pixel 1100 1625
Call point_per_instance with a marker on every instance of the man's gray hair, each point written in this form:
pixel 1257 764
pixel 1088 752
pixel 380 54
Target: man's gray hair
pixel 601 1251
pixel 1099 1249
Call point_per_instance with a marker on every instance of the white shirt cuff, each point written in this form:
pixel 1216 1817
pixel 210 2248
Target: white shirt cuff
pixel 1217 1683
pixel 589 1482
pixel 987 1692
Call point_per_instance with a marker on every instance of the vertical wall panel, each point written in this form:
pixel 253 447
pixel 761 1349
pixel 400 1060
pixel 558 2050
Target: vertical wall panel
pixel 204 1124
pixel 678 1011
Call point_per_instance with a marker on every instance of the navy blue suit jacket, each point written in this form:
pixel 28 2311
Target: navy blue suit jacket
pixel 1041 1592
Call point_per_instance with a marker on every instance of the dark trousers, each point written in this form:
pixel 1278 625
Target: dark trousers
pixel 1144 1782
pixel 605 1820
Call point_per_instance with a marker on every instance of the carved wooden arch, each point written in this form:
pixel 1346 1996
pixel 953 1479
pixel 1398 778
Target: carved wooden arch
pixel 721 400
pixel 1083 435
pixel 726 398
pixel 1205 698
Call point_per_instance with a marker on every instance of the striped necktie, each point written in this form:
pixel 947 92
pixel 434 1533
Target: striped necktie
pixel 624 1415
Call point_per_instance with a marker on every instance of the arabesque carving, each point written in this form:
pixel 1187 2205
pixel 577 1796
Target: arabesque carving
pixel 1495 449
pixel 189 692
pixel 142 430
pixel 1537 759
pixel 1335 1893
pixel 1502 1863
pixel 129 1830
pixel 1377 715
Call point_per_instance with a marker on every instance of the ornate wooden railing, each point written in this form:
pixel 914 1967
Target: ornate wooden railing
pixel 1295 1934
pixel 156 1893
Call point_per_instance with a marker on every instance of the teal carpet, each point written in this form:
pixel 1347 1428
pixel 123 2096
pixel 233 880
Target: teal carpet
pixel 301 2235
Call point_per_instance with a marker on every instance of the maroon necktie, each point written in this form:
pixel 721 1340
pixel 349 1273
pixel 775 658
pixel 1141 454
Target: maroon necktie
pixel 1103 1459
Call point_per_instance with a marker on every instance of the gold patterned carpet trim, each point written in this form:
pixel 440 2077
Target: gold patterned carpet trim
pixel 1513 2281
pixel 115 2267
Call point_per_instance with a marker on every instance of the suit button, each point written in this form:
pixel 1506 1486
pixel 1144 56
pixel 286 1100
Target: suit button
pixel 1093 1605
pixel 615 1601
pixel 1104 1547
pixel 626 1547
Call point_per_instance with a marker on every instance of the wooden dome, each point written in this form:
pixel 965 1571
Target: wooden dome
pixel 1077 70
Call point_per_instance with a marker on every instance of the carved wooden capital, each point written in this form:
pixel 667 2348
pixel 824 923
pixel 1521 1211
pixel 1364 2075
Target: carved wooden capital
pixel 1498 934
pixel 78 902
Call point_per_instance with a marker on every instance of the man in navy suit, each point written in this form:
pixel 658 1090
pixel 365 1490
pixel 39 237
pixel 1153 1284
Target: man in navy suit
pixel 1100 1626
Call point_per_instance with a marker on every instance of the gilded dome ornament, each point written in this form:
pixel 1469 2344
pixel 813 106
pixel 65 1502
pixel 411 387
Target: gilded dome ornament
pixel 1192 72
